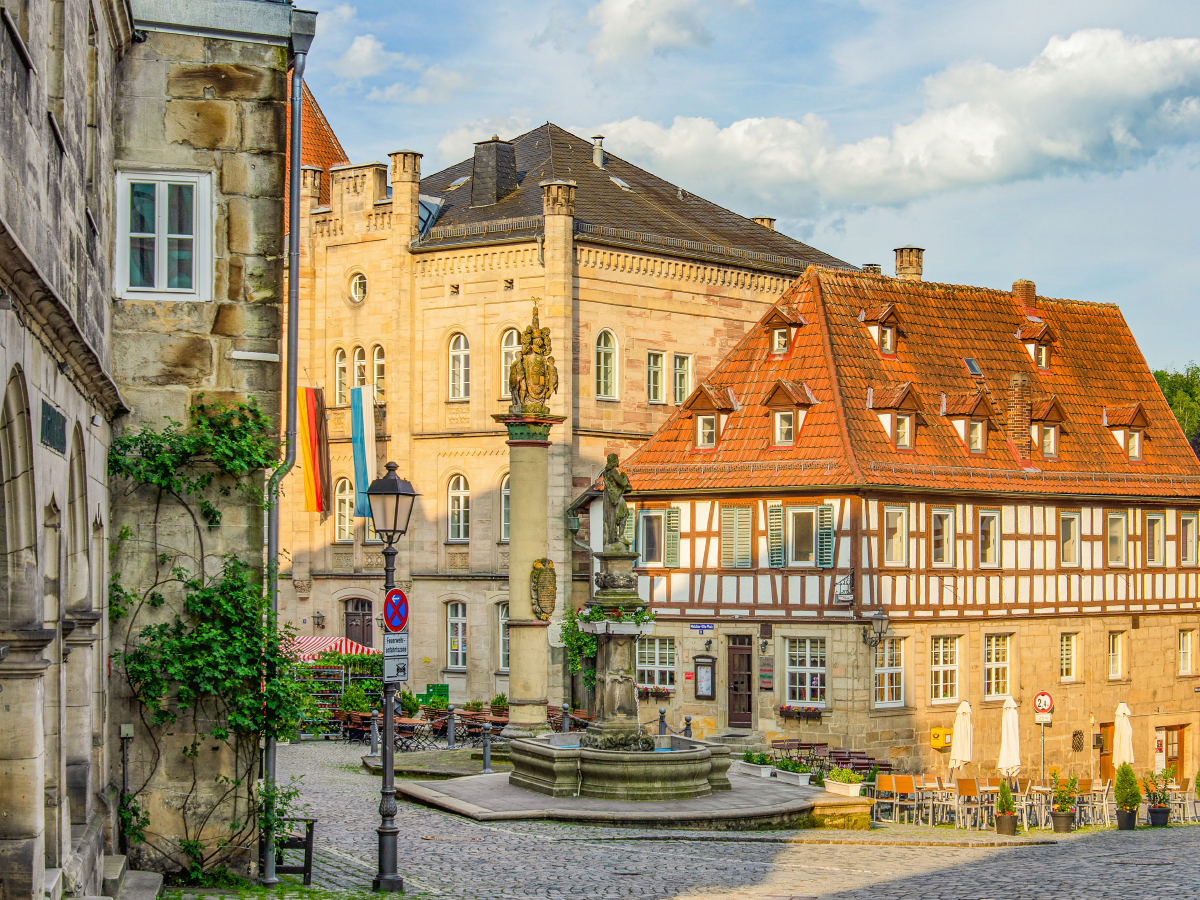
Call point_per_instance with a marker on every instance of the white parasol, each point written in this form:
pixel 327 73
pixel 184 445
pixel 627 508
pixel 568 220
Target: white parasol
pixel 1122 738
pixel 1009 763
pixel 960 743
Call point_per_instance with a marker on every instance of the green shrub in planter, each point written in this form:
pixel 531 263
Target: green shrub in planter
pixel 409 705
pixel 1004 803
pixel 354 699
pixel 845 776
pixel 1125 789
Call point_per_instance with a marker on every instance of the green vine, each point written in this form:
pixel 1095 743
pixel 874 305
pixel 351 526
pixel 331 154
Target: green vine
pixel 581 645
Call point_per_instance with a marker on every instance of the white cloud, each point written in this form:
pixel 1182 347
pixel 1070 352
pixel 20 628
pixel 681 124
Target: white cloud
pixel 460 143
pixel 437 85
pixel 641 28
pixel 366 56
pixel 1095 101
pixel 330 20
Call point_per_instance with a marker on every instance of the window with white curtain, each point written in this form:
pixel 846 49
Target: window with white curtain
pixel 460 509
pixel 505 509
pixel 380 370
pixel 606 366
pixel 456 635
pixel 1067 664
pixel 343 493
pixel 503 612
pixel 460 367
pixel 1114 654
pixel 943 667
pixel 806 671
pixel 340 378
pixel 360 367
pixel 995 665
pixel 510 348
pixel 895 535
pixel 889 672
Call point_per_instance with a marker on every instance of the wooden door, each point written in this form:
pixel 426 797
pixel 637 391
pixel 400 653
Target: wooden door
pixel 358 621
pixel 741 681
pixel 1107 773
pixel 1174 751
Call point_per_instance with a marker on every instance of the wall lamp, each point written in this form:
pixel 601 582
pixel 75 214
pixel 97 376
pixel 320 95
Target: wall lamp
pixel 873 633
pixel 319 619
pixel 762 646
pixel 708 644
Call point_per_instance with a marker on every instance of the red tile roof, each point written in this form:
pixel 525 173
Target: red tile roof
pixel 1098 372
pixel 319 146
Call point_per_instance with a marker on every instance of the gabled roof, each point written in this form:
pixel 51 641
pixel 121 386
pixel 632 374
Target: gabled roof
pixel 1036 331
pixel 1099 376
pixel 1133 415
pixel 712 397
pixel 782 314
pixel 794 394
pixel 893 396
pixel 619 196
pixel 1048 409
pixel 319 146
pixel 976 404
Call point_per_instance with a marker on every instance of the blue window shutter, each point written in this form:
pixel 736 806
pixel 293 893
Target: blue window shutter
pixel 825 537
pixel 775 536
pixel 671 542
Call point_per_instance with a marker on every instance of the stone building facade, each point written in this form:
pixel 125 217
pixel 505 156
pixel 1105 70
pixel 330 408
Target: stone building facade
pixel 993 477
pixel 416 287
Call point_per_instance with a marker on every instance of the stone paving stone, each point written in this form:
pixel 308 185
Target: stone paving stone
pixel 442 855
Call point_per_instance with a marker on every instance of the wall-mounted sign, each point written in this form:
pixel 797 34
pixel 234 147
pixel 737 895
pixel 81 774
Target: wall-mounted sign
pixel 704 668
pixel 766 673
pixel 689 676
pixel 702 626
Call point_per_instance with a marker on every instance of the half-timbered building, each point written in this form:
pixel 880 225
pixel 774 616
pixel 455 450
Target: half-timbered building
pixel 991 476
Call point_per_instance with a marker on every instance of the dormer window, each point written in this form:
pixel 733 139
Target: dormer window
pixel 887 339
pixel 1133 445
pixel 779 340
pixel 1049 441
pixel 1041 355
pixel 785 428
pixel 904 431
pixel 977 436
pixel 1128 425
pixel 706 432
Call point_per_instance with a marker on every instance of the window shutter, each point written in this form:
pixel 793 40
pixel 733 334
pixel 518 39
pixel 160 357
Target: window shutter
pixel 671 542
pixel 728 536
pixel 775 536
pixel 825 537
pixel 629 529
pixel 743 537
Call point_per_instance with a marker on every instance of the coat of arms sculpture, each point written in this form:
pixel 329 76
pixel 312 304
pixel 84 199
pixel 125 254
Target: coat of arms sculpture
pixel 543 588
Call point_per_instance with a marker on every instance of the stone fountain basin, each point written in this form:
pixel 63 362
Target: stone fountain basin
pixel 555 765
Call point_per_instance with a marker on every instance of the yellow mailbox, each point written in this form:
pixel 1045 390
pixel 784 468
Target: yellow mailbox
pixel 940 738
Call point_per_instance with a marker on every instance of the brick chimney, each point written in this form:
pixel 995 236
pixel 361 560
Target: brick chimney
pixel 1025 293
pixel 494 172
pixel 1019 411
pixel 909 262
pixel 765 221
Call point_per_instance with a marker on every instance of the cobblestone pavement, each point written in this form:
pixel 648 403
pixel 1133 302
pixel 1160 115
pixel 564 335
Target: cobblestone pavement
pixel 442 855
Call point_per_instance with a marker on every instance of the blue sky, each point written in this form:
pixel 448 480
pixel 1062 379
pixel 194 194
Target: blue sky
pixel 1057 141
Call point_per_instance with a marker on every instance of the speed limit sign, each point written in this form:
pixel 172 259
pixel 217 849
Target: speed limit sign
pixel 1043 702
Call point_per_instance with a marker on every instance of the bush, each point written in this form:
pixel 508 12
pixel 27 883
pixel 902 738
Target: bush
pixel 756 759
pixel 1128 797
pixel 1157 791
pixel 409 704
pixel 873 775
pixel 473 705
pixel 500 700
pixel 1004 803
pixel 845 776
pixel 792 765
pixel 1064 792
pixel 354 700
pixel 818 779
pixel 438 703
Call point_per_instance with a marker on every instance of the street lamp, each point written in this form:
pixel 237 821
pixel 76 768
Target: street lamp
pixel 391 499
pixel 873 633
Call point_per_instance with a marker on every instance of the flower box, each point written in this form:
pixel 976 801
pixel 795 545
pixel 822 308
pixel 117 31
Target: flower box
pixel 800 713
pixel 754 771
pixel 843 789
pixel 655 693
pixel 800 778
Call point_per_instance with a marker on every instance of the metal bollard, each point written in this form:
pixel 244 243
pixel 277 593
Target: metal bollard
pixel 374 732
pixel 687 726
pixel 487 748
pixel 662 720
pixel 566 720
pixel 449 727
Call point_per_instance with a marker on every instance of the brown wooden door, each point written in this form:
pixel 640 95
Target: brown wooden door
pixel 358 621
pixel 741 681
pixel 1107 772
pixel 1174 750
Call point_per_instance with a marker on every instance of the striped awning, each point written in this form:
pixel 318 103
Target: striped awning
pixel 311 647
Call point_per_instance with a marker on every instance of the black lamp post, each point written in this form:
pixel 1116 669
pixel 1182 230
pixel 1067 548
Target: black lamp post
pixel 391 499
pixel 873 633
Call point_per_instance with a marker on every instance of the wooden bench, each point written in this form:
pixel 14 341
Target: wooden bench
pixel 290 841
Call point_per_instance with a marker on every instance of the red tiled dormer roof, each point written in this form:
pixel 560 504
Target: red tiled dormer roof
pixel 1099 371
pixel 319 146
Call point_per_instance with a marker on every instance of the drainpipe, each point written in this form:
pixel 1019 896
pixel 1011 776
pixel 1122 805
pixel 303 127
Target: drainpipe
pixel 304 28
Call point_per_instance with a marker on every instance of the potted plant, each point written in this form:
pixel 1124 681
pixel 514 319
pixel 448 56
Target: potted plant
pixel 758 765
pixel 844 781
pixel 793 772
pixel 1006 812
pixel 1158 795
pixel 1128 797
pixel 1063 811
pixel 500 705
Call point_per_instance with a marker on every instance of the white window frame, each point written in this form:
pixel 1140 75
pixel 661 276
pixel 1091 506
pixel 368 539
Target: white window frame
pixel 1187 540
pixel 793 513
pixel 1183 651
pixel 1156 539
pixel 887 340
pixel 1068 656
pixel 785 427
pixel 458 518
pixel 460 366
pixel 643 520
pixel 943 668
pixel 1115 654
pixel 1049 436
pixel 379 372
pixel 997 666
pixel 341 377
pixel 203 227
pixel 1074 518
pixel 903 513
pixel 505 509
pixel 779 341
pixel 992 515
pixel 502 618
pixel 357 295
pixel 805 663
pixel 889 673
pixel 1041 356
pixel 979 425
pixel 681 376
pixel 360 367
pixel 656 659
pixel 949 538
pixel 1133 444
pixel 1123 561
pixel 910 423
pixel 712 432
pixel 456 630
pixel 510 348
pixel 343 493
pixel 606 366
pixel 655 360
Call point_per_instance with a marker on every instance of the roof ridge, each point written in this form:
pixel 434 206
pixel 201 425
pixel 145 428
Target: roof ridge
pixel 834 383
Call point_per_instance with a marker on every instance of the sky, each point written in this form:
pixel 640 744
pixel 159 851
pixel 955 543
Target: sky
pixel 1053 140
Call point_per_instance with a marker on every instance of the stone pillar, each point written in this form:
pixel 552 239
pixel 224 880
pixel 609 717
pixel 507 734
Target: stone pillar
pixel 77 738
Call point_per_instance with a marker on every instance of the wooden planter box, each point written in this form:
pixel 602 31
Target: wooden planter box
pixel 801 715
pixel 800 778
pixel 843 789
pixel 499 711
pixel 754 771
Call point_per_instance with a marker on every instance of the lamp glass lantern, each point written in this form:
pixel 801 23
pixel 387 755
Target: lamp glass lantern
pixel 391 499
pixel 874 633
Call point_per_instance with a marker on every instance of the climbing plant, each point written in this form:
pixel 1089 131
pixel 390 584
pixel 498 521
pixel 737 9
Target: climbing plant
pixel 214 665
pixel 581 645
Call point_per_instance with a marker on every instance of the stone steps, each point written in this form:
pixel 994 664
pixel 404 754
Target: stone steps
pixel 739 742
pixel 123 883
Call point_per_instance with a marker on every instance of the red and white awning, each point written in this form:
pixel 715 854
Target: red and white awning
pixel 311 647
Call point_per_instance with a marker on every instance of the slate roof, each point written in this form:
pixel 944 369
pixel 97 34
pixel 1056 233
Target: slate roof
pixel 650 205
pixel 1097 371
pixel 319 146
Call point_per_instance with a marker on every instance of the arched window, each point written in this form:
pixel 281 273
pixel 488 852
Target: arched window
pixel 360 367
pixel 456 635
pixel 343 493
pixel 505 509
pixel 460 367
pixel 460 509
pixel 510 346
pixel 606 366
pixel 503 608
pixel 379 372
pixel 339 378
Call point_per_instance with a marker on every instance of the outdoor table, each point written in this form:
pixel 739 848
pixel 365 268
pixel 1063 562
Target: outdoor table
pixel 413 734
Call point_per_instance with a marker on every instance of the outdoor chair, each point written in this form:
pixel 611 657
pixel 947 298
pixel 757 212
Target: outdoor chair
pixel 885 795
pixel 1179 802
pixel 785 749
pixel 968 803
pixel 907 797
pixel 1025 803
pixel 1085 803
pixel 943 803
pixel 1106 804
pixel 290 839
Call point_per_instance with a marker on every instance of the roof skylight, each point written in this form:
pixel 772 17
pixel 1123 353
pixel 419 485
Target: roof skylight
pixel 623 185
pixel 973 367
pixel 458 182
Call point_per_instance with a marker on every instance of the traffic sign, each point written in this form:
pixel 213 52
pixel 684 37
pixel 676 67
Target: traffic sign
pixel 1043 702
pixel 395 610
pixel 395 656
pixel 1040 718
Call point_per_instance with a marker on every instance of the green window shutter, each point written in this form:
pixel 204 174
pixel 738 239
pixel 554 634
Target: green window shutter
pixel 728 537
pixel 775 536
pixel 671 542
pixel 629 529
pixel 825 537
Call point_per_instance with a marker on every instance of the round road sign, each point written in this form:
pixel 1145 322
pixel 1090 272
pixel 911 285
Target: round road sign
pixel 1043 702
pixel 395 610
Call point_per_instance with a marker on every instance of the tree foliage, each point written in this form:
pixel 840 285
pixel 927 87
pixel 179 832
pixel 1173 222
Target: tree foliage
pixel 1182 390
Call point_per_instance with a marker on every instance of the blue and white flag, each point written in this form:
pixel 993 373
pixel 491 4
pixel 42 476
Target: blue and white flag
pixel 362 436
